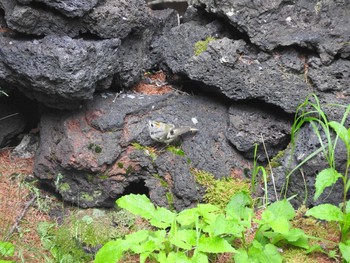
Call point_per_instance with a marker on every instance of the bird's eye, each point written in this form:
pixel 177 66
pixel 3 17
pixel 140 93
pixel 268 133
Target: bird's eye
pixel 152 125
pixel 171 132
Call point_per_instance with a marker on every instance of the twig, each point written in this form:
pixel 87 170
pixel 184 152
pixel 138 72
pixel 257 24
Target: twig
pixel 9 116
pixel 19 218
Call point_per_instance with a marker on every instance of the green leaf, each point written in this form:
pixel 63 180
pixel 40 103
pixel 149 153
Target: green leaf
pixel 223 226
pixel 282 208
pixel 199 257
pixel 188 217
pixel 345 250
pixel 270 255
pixel 214 245
pixel 264 254
pixel 325 178
pixel 280 225
pixel 138 205
pixel 326 212
pixel 162 218
pixel 242 257
pixel 111 252
pixel 7 249
pixel 185 239
pixel 341 131
pixel 239 205
pixel 347 208
pixel 146 241
pixel 298 238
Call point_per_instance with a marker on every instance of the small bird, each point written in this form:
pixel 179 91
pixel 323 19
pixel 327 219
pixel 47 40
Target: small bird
pixel 165 132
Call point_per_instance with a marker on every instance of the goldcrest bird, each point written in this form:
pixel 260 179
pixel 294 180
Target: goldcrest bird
pixel 166 132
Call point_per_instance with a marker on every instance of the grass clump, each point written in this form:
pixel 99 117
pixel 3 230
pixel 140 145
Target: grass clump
pixel 201 46
pixel 219 191
pixel 79 237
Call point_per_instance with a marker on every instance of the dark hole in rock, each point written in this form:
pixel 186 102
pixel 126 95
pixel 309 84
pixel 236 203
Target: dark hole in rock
pixel 137 187
pixel 27 109
pixel 179 6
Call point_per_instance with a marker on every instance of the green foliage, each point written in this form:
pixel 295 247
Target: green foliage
pixel 175 150
pixel 80 236
pixel 94 147
pixel 194 234
pixel 201 46
pixel 219 191
pixel 312 112
pixel 7 250
pixel 148 151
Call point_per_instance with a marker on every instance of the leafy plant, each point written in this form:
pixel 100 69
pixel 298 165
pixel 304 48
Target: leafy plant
pixel 7 250
pixel 312 112
pixel 194 234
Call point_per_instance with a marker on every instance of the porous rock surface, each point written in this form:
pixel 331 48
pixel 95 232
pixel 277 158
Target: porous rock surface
pixel 60 60
pixel 264 61
pixel 91 149
pixel 301 179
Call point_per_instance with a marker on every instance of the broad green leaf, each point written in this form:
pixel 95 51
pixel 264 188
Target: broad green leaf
pixel 188 217
pixel 137 237
pixel 160 257
pixel 6 261
pixel 345 250
pixel 7 249
pixel 138 205
pixel 111 252
pixel 270 255
pixel 224 226
pixel 208 212
pixel 214 245
pixel 199 257
pixel 341 131
pixel 153 241
pixel 242 257
pixel 162 218
pixel 239 206
pixel 264 254
pixel 282 208
pixel 185 239
pixel 280 225
pixel 325 178
pixel 298 238
pixel 326 212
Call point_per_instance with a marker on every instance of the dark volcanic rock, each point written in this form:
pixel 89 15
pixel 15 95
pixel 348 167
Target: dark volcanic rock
pixel 58 71
pixel 36 21
pixel 241 73
pixel 321 25
pixel 61 70
pixel 91 150
pixel 71 8
pixel 119 18
pixel 250 125
pixel 304 177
